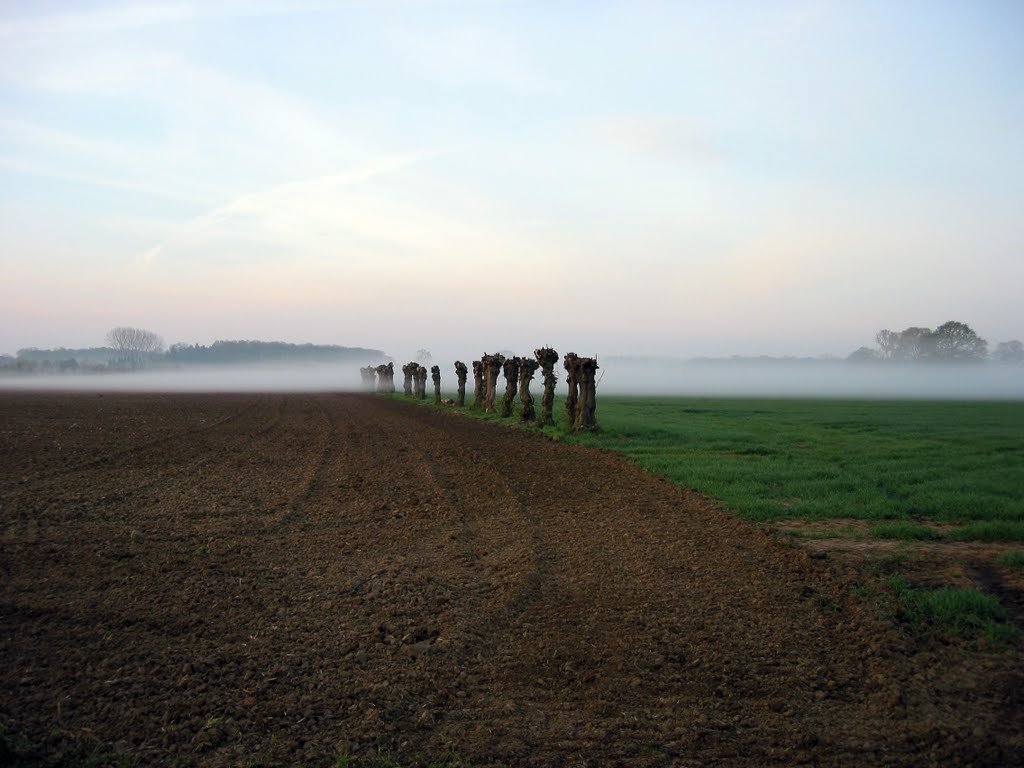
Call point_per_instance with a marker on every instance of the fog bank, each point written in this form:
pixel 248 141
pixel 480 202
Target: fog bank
pixel 618 375
pixel 727 378
pixel 235 378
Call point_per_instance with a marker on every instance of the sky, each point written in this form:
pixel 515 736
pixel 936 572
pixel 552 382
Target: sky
pixel 678 178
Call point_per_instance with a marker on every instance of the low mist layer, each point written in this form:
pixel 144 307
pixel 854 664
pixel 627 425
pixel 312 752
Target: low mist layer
pixel 812 379
pixel 235 378
pixel 617 376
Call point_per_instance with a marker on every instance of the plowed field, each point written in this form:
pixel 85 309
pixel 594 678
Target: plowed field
pixel 276 579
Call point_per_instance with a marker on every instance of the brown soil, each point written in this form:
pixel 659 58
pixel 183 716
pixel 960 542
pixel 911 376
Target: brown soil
pixel 244 579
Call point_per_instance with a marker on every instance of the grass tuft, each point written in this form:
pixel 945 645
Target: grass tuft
pixel 904 532
pixel 1012 559
pixel 967 613
pixel 990 530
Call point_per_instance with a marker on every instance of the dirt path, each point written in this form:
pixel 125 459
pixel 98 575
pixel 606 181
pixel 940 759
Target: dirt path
pixel 245 580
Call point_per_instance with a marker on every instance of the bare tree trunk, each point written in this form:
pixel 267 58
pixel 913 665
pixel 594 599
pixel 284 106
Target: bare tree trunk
pixel 569 363
pixel 511 371
pixel 527 368
pixel 492 367
pixel 390 374
pixel 421 382
pixel 547 357
pixel 382 374
pixel 478 385
pixel 369 376
pixel 460 373
pixel 408 370
pixel 586 420
pixel 435 376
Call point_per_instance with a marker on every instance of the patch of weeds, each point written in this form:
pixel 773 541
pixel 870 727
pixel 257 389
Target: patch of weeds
pixel 1012 559
pixel 967 613
pixel 990 530
pixel 827 604
pixel 904 532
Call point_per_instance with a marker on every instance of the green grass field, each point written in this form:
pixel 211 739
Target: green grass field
pixel 950 462
pixel 957 462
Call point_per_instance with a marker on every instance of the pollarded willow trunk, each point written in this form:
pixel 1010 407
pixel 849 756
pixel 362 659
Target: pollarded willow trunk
pixel 382 378
pixel 390 376
pixel 546 358
pixel 478 385
pixel 527 368
pixel 492 367
pixel 586 408
pixel 460 372
pixel 435 376
pixel 369 376
pixel 570 365
pixel 421 382
pixel 511 371
pixel 408 370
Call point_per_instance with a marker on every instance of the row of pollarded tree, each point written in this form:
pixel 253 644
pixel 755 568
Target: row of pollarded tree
pixel 581 378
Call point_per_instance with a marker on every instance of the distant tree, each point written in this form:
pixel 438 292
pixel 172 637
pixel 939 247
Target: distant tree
pixel 1009 352
pixel 958 341
pixel 913 344
pixel 864 355
pixel 916 343
pixel 134 345
pixel 951 341
pixel 423 357
pixel 888 344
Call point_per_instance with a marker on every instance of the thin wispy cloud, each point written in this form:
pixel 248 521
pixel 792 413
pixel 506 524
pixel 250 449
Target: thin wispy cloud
pixel 695 173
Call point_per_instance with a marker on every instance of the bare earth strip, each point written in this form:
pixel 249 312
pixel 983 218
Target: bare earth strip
pixel 255 579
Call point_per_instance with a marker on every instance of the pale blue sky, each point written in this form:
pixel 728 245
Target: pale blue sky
pixel 612 177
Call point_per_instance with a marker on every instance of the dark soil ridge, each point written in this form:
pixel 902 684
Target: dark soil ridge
pixel 316 575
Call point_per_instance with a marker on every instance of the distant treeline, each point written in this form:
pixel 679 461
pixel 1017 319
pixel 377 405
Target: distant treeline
pixel 951 342
pixel 232 352
pixel 101 359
